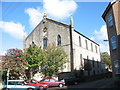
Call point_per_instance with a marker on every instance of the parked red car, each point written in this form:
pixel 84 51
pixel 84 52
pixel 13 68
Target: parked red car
pixel 52 82
pixel 39 86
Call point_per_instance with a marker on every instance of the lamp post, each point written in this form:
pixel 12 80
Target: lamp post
pixel 7 76
pixel 105 40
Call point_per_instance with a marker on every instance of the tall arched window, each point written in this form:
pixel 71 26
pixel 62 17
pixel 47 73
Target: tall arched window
pixel 79 41
pixel 59 40
pixel 86 44
pixel 91 47
pixel 45 42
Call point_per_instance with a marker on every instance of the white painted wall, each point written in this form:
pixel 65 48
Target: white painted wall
pixel 82 50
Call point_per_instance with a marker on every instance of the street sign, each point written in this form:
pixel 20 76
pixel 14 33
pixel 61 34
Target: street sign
pixel 117 67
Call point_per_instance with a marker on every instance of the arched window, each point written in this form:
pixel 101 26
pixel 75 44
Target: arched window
pixel 45 42
pixel 79 41
pixel 91 47
pixel 59 40
pixel 113 42
pixel 86 44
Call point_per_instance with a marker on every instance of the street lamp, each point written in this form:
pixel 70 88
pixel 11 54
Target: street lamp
pixel 106 40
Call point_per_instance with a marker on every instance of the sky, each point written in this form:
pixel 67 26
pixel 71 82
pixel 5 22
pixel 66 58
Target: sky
pixel 18 19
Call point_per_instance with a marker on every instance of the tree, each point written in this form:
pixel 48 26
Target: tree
pixel 55 60
pixel 105 58
pixel 34 57
pixel 15 63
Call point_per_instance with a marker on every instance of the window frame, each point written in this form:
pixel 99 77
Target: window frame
pixel 86 42
pixel 110 20
pixel 96 49
pixel 80 44
pixel 45 42
pixel 59 40
pixel 91 47
pixel 113 42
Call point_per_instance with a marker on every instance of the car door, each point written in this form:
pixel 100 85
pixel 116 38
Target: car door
pixel 11 85
pixel 20 86
pixel 46 81
pixel 32 82
pixel 53 82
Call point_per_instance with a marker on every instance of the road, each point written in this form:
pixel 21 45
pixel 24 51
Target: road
pixel 97 85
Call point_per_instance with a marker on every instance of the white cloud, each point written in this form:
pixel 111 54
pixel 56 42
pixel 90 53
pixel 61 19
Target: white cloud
pixel 100 36
pixel 59 8
pixel 102 33
pixel 14 29
pixel 35 16
pixel 4 52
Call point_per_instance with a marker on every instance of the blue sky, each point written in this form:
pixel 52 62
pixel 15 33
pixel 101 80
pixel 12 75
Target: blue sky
pixel 20 17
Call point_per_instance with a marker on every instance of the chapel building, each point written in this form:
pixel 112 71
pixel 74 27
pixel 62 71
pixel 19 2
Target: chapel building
pixel 79 48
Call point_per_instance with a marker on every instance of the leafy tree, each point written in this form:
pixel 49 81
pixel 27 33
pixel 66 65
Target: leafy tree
pixel 55 60
pixel 34 57
pixel 105 58
pixel 15 63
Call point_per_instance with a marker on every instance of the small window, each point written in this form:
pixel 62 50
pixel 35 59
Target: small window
pixel 44 42
pixel 86 44
pixel 96 48
pixel 44 29
pixel 33 43
pixel 91 47
pixel 110 20
pixel 59 40
pixel 79 41
pixel 113 42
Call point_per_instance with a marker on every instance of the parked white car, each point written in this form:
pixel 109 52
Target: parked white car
pixel 18 85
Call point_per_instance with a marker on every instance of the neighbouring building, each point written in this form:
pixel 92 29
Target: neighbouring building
pixel 79 48
pixel 112 18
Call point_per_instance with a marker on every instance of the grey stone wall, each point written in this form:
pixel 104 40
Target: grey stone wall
pixel 53 30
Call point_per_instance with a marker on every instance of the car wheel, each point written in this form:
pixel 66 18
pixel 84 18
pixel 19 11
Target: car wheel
pixel 30 89
pixel 60 85
pixel 41 88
